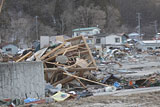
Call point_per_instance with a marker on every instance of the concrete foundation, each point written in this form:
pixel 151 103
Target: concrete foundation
pixel 18 80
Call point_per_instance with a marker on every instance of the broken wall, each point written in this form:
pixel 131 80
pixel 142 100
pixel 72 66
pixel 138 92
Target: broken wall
pixel 18 80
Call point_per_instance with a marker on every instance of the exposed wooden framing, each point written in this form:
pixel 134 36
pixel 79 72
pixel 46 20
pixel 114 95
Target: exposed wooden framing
pixel 65 80
pixel 75 38
pixel 52 77
pixel 83 48
pixel 89 64
pixel 24 57
pixel 50 58
pixel 52 51
pixel 86 79
pixel 62 51
pixel 81 83
pixel 56 64
pixel 81 52
pixel 94 62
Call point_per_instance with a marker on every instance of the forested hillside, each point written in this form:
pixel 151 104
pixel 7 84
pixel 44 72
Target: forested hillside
pixel 54 17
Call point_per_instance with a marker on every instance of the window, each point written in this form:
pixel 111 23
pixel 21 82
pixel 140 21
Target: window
pixel 89 41
pixel 8 49
pixel 98 40
pixel 117 40
pixel 149 48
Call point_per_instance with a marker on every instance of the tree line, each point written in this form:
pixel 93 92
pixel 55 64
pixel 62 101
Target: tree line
pixel 56 17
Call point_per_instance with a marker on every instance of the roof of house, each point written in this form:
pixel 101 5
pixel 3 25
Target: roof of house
pixel 85 29
pixel 133 34
pixel 151 41
pixel 5 44
pixel 106 34
pixel 101 35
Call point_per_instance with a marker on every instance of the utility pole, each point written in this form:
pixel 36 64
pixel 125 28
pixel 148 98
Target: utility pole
pixel 155 24
pixel 37 27
pixel 156 30
pixel 139 23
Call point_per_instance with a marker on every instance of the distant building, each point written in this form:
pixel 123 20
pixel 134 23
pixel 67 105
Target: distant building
pixel 134 35
pixel 108 41
pixel 9 48
pixel 151 44
pixel 148 45
pixel 51 40
pixel 90 31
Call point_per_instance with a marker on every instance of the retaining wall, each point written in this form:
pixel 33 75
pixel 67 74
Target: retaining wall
pixel 18 80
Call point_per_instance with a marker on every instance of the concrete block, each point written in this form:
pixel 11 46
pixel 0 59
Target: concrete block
pixel 18 79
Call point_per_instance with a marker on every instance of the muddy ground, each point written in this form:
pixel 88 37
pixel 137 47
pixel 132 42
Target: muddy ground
pixel 150 99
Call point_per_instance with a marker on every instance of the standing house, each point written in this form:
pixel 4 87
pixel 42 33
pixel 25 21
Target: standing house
pixel 151 44
pixel 107 41
pixel 90 31
pixel 46 41
pixel 9 49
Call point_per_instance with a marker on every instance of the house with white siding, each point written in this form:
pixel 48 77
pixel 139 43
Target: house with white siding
pixel 109 40
pixel 9 48
pixel 90 31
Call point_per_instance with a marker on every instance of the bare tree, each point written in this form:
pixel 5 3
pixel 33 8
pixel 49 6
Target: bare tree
pixel 113 19
pixel 89 16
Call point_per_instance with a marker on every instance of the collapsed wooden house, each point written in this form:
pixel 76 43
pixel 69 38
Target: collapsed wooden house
pixel 73 55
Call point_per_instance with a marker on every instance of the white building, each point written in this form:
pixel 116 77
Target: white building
pixel 134 35
pixel 90 31
pixel 46 41
pixel 108 41
pixel 151 44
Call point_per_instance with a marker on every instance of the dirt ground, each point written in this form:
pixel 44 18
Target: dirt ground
pixel 135 100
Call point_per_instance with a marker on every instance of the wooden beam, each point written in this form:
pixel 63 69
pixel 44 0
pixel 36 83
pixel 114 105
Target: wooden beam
pixel 86 79
pixel 81 83
pixel 52 51
pixel 93 60
pixel 56 64
pixel 72 48
pixel 24 57
pixel 63 81
pixel 70 69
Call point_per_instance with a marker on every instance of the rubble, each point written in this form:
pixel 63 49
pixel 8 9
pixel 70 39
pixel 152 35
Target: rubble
pixel 71 72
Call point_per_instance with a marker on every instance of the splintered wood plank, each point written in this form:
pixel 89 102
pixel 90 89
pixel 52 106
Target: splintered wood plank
pixel 24 57
pixel 89 64
pixel 63 81
pixel 52 51
pixel 70 69
pixel 55 64
pixel 72 48
pixel 81 62
pixel 86 79
pixel 81 83
pixel 94 62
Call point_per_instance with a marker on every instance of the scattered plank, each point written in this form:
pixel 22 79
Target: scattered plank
pixel 25 56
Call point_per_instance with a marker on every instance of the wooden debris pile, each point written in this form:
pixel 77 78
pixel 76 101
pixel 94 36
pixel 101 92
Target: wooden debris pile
pixel 73 54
